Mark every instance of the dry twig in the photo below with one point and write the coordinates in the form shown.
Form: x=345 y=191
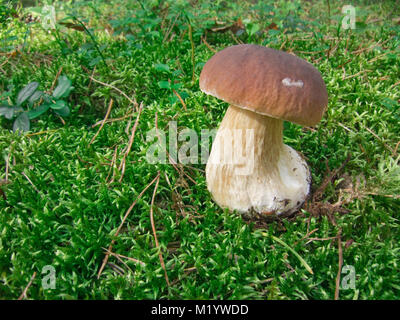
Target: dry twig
x=23 y=295
x=339 y=237
x=122 y=223
x=128 y=149
x=154 y=230
x=133 y=101
x=103 y=122
x=208 y=45
x=180 y=98
x=125 y=257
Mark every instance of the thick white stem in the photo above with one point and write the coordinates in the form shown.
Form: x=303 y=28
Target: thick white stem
x=250 y=169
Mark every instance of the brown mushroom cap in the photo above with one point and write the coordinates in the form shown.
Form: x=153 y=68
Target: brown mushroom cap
x=267 y=81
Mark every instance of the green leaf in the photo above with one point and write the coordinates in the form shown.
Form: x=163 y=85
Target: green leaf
x=199 y=65
x=26 y=92
x=176 y=86
x=164 y=84
x=303 y=262
x=7 y=111
x=47 y=98
x=32 y=114
x=94 y=61
x=273 y=32
x=63 y=88
x=35 y=97
x=64 y=112
x=360 y=25
x=59 y=104
x=161 y=67
x=389 y=104
x=253 y=28
x=22 y=122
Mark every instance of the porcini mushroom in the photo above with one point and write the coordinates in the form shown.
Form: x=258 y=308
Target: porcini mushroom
x=264 y=87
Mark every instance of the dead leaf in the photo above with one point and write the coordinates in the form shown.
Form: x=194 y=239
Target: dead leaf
x=72 y=26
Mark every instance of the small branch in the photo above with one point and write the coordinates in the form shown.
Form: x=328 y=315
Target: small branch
x=125 y=257
x=170 y=28
x=55 y=80
x=8 y=164
x=328 y=179
x=395 y=84
x=91 y=77
x=356 y=74
x=306 y=236
x=320 y=239
x=234 y=38
x=180 y=98
x=154 y=230
x=393 y=196
x=27 y=178
x=104 y=121
x=339 y=237
x=303 y=262
x=112 y=165
x=128 y=149
x=112 y=120
x=380 y=139
x=122 y=223
x=208 y=45
x=40 y=132
x=23 y=295
x=172 y=161
x=192 y=52
x=118 y=90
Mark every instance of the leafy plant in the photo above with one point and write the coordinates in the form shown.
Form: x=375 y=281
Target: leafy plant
x=30 y=96
x=6 y=12
x=172 y=84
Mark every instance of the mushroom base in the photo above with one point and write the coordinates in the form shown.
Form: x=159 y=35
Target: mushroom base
x=250 y=170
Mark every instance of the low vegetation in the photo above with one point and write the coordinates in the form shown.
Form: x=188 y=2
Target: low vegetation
x=76 y=189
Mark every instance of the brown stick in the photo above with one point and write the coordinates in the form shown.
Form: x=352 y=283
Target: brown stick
x=125 y=257
x=172 y=161
x=356 y=74
x=339 y=237
x=128 y=149
x=8 y=164
x=380 y=139
x=112 y=165
x=180 y=98
x=170 y=28
x=55 y=79
x=29 y=180
x=112 y=120
x=208 y=45
x=116 y=89
x=23 y=295
x=154 y=230
x=307 y=235
x=395 y=85
x=329 y=178
x=192 y=52
x=104 y=121
x=122 y=223
x=320 y=239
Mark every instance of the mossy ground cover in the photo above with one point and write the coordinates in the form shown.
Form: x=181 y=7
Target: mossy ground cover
x=63 y=194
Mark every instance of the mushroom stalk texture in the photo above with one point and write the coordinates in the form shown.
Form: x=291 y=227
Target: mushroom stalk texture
x=250 y=169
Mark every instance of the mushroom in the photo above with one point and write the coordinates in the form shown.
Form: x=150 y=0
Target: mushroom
x=250 y=169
